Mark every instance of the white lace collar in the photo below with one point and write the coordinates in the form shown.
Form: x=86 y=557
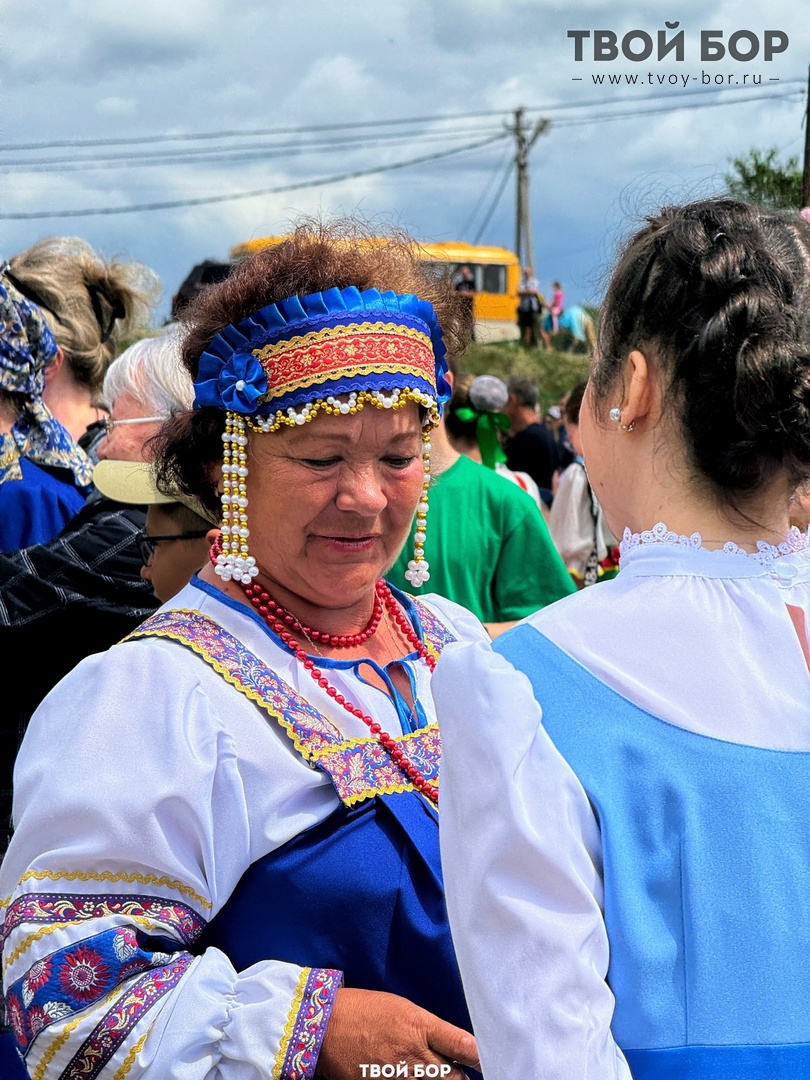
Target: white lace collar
x=795 y=541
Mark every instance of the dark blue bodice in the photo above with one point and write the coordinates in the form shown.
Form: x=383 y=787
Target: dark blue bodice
x=361 y=891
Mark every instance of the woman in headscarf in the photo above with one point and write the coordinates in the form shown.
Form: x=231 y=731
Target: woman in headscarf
x=93 y=307
x=44 y=475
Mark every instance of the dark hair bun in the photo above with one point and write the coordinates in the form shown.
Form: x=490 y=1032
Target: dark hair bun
x=719 y=292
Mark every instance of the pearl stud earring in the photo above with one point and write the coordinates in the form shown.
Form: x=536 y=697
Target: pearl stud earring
x=615 y=414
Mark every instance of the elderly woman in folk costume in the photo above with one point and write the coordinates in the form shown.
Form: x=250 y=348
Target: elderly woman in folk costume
x=226 y=856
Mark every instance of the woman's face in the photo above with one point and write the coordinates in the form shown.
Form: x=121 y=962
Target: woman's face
x=331 y=502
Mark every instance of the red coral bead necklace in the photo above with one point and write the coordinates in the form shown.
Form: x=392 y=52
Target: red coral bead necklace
x=283 y=623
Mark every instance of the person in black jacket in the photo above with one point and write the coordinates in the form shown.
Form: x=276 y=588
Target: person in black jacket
x=83 y=591
x=530 y=447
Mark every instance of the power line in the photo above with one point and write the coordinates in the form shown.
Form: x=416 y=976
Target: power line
x=592 y=103
x=236 y=153
x=572 y=121
x=504 y=180
x=579 y=121
x=495 y=172
x=551 y=107
x=234 y=133
x=321 y=182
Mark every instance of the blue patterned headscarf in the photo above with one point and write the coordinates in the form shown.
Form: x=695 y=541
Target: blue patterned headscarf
x=27 y=346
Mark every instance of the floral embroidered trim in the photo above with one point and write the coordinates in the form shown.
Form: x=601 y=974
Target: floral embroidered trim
x=78 y=976
x=358 y=768
x=308 y=729
x=108 y=875
x=56 y=1046
x=67 y=909
x=765 y=554
x=303 y=1035
x=128 y=1010
x=129 y=1060
x=292 y=1016
x=346 y=351
x=43 y=932
x=361 y=768
x=436 y=634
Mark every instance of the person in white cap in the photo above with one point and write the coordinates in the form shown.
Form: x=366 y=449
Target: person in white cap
x=179 y=531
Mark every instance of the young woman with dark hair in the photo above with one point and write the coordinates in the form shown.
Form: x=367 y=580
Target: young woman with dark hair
x=628 y=872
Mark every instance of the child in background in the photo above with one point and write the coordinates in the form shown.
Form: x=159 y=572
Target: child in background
x=556 y=306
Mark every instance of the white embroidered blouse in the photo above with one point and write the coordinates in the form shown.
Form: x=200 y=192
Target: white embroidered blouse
x=144 y=789
x=713 y=641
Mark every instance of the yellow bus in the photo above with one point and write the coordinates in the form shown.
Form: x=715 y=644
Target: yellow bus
x=496 y=275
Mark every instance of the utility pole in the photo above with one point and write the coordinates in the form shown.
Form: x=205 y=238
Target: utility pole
x=806 y=174
x=524 y=141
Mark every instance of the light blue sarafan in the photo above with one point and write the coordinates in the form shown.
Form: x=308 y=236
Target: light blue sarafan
x=706 y=848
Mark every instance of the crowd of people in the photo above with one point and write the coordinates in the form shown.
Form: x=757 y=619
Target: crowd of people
x=538 y=319
x=283 y=562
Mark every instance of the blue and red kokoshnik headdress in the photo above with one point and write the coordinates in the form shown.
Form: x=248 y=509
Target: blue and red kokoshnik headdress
x=336 y=352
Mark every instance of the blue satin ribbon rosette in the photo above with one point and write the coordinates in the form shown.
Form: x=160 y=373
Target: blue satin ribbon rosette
x=231 y=377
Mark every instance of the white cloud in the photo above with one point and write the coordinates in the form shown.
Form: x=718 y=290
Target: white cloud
x=88 y=70
x=116 y=106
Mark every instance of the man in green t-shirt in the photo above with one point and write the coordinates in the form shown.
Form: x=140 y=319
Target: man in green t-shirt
x=487 y=544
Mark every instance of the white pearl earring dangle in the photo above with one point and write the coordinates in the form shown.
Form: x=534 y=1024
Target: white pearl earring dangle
x=235 y=561
x=418 y=571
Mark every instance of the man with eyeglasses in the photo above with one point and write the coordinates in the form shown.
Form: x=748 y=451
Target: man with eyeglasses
x=179 y=531
x=83 y=591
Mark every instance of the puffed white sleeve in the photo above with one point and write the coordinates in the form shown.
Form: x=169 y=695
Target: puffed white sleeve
x=521 y=856
x=132 y=829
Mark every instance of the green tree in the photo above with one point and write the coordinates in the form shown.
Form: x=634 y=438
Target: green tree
x=758 y=177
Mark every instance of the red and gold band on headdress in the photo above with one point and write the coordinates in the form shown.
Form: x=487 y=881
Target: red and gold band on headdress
x=334 y=352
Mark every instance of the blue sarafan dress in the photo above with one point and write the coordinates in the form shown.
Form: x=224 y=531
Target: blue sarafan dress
x=254 y=849
x=626 y=822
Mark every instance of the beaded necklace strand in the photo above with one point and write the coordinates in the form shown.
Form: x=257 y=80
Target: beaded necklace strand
x=283 y=623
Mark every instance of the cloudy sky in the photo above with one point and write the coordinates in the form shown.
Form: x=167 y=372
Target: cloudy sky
x=382 y=82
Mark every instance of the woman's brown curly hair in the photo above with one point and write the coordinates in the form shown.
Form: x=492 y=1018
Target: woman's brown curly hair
x=315 y=257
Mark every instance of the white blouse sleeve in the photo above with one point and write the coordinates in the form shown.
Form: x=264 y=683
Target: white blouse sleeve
x=461 y=622
x=571 y=521
x=521 y=855
x=132 y=830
